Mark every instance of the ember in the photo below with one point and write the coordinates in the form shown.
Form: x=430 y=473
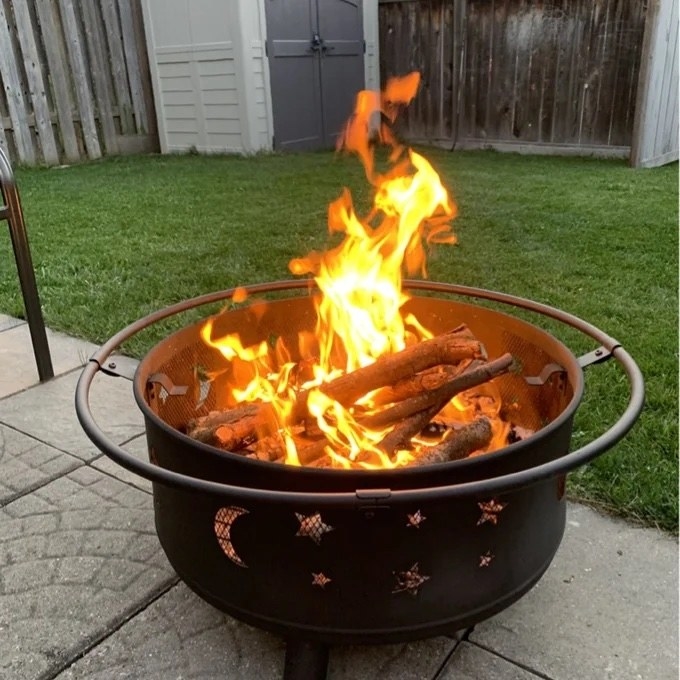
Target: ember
x=371 y=387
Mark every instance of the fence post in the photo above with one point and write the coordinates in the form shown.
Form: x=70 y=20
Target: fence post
x=12 y=212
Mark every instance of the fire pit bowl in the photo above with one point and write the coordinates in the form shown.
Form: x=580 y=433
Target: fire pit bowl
x=325 y=556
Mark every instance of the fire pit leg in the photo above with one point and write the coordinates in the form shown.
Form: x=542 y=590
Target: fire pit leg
x=305 y=660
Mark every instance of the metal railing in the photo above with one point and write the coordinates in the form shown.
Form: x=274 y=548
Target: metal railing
x=10 y=210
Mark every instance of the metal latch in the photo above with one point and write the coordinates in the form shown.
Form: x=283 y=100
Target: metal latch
x=373 y=501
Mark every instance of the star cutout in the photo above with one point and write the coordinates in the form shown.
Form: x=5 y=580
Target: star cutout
x=490 y=511
x=485 y=559
x=312 y=526
x=410 y=581
x=416 y=519
x=320 y=579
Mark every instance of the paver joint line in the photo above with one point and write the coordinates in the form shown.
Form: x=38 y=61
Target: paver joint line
x=85 y=649
x=449 y=656
x=524 y=667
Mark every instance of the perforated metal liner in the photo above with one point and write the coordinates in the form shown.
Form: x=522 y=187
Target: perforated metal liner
x=186 y=360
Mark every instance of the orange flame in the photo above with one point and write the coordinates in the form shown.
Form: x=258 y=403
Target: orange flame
x=359 y=311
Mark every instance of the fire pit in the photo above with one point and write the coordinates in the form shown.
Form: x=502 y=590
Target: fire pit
x=368 y=459
x=327 y=557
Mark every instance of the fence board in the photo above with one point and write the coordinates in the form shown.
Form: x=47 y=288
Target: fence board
x=655 y=139
x=36 y=84
x=459 y=18
x=559 y=72
x=74 y=80
x=16 y=104
x=81 y=79
x=144 y=71
x=131 y=57
x=56 y=61
x=103 y=91
x=120 y=81
x=3 y=139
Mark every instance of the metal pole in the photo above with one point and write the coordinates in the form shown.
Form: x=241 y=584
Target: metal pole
x=12 y=212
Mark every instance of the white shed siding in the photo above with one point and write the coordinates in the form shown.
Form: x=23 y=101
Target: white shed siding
x=206 y=64
x=256 y=74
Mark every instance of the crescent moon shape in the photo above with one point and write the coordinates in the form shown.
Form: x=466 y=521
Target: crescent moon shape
x=224 y=520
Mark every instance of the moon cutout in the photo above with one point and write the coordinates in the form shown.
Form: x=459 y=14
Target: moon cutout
x=224 y=519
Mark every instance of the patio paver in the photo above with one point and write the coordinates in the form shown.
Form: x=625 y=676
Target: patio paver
x=9 y=322
x=180 y=636
x=77 y=557
x=606 y=608
x=138 y=448
x=27 y=463
x=47 y=412
x=470 y=662
x=18 y=362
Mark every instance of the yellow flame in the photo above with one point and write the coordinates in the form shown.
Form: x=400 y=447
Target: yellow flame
x=359 y=311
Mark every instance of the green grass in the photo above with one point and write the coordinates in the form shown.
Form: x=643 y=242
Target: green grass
x=116 y=239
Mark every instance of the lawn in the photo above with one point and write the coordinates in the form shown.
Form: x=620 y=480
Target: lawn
x=116 y=239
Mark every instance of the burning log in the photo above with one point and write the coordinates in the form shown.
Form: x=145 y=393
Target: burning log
x=415 y=417
x=229 y=436
x=426 y=377
x=203 y=429
x=447 y=348
x=233 y=432
x=402 y=433
x=458 y=444
x=430 y=379
x=476 y=374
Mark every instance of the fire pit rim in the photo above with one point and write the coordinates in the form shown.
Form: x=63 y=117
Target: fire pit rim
x=522 y=478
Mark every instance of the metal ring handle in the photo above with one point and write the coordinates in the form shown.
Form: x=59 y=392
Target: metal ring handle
x=481 y=488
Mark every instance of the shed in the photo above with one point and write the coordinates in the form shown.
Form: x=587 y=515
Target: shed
x=240 y=76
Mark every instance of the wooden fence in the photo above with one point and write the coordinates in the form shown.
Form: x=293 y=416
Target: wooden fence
x=502 y=72
x=75 y=80
x=655 y=135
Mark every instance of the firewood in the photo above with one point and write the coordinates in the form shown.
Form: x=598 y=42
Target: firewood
x=458 y=444
x=203 y=427
x=412 y=414
x=447 y=348
x=234 y=435
x=430 y=379
x=311 y=452
x=476 y=374
x=402 y=433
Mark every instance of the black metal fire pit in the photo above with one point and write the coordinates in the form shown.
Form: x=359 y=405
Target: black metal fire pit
x=327 y=557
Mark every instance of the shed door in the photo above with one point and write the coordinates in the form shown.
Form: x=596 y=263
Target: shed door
x=316 y=65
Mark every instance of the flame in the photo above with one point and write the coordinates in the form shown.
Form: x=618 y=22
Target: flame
x=359 y=309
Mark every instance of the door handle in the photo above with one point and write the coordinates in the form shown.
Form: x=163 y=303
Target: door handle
x=316 y=43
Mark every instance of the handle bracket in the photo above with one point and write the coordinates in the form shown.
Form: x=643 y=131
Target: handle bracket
x=597 y=356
